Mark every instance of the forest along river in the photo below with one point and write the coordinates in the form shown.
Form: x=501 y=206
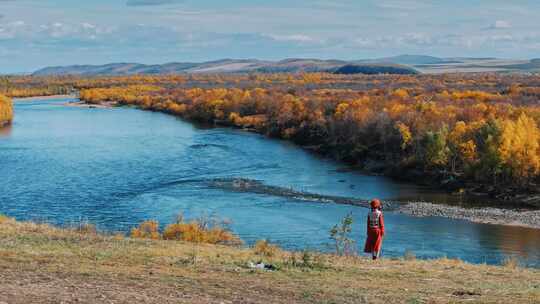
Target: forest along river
x=118 y=167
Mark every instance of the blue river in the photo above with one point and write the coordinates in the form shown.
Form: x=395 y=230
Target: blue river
x=117 y=167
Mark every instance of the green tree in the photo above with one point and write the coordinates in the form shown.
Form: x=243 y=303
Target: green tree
x=436 y=151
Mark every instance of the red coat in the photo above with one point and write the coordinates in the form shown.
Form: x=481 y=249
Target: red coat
x=375 y=231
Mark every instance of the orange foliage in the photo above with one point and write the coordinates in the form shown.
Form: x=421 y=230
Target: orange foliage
x=470 y=125
x=146 y=230
x=195 y=233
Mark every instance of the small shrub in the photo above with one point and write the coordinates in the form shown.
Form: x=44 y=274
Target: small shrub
x=511 y=262
x=85 y=228
x=344 y=244
x=264 y=248
x=200 y=231
x=146 y=230
x=306 y=260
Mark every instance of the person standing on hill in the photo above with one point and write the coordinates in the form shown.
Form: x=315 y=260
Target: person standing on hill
x=375 y=229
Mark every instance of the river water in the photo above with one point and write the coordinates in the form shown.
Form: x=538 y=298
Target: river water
x=118 y=167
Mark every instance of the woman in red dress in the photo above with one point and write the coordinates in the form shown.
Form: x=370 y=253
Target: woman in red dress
x=375 y=229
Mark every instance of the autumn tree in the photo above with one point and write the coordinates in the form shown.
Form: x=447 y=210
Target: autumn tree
x=519 y=148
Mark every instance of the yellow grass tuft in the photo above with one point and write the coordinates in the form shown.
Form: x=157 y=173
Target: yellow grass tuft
x=195 y=233
x=200 y=231
x=511 y=262
x=264 y=248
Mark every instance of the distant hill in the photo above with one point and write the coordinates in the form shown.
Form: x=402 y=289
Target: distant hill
x=413 y=60
x=219 y=66
x=532 y=65
x=375 y=69
x=402 y=64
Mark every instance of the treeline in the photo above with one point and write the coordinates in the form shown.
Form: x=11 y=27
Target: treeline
x=484 y=135
x=6 y=110
x=28 y=86
x=480 y=128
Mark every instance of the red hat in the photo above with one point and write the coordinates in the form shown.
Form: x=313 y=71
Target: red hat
x=375 y=203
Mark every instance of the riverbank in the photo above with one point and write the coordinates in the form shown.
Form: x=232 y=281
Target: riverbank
x=485 y=215
x=6 y=111
x=47 y=97
x=82 y=104
x=44 y=264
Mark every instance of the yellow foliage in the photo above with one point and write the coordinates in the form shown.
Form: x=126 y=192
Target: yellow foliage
x=351 y=115
x=264 y=248
x=195 y=233
x=341 y=109
x=405 y=133
x=519 y=148
x=476 y=95
x=468 y=150
x=146 y=230
x=6 y=110
x=401 y=93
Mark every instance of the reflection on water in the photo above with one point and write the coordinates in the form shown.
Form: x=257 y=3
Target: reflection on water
x=5 y=131
x=511 y=241
x=118 y=167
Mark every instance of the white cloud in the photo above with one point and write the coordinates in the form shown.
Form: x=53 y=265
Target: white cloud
x=502 y=24
x=86 y=25
x=427 y=42
x=401 y=4
x=11 y=30
x=499 y=24
x=150 y=2
x=291 y=38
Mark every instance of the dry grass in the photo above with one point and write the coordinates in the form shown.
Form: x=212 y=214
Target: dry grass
x=197 y=231
x=511 y=262
x=266 y=249
x=44 y=264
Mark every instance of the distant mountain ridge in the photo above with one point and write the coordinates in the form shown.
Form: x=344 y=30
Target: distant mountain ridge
x=375 y=69
x=222 y=66
x=402 y=64
x=415 y=60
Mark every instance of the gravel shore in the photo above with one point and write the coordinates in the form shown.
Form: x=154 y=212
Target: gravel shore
x=45 y=97
x=487 y=215
x=82 y=104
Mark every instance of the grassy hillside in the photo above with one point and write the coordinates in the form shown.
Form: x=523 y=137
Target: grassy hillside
x=44 y=264
x=6 y=110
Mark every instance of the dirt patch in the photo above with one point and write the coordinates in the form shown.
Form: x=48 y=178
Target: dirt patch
x=22 y=286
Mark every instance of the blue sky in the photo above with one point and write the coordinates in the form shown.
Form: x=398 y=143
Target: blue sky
x=38 y=33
